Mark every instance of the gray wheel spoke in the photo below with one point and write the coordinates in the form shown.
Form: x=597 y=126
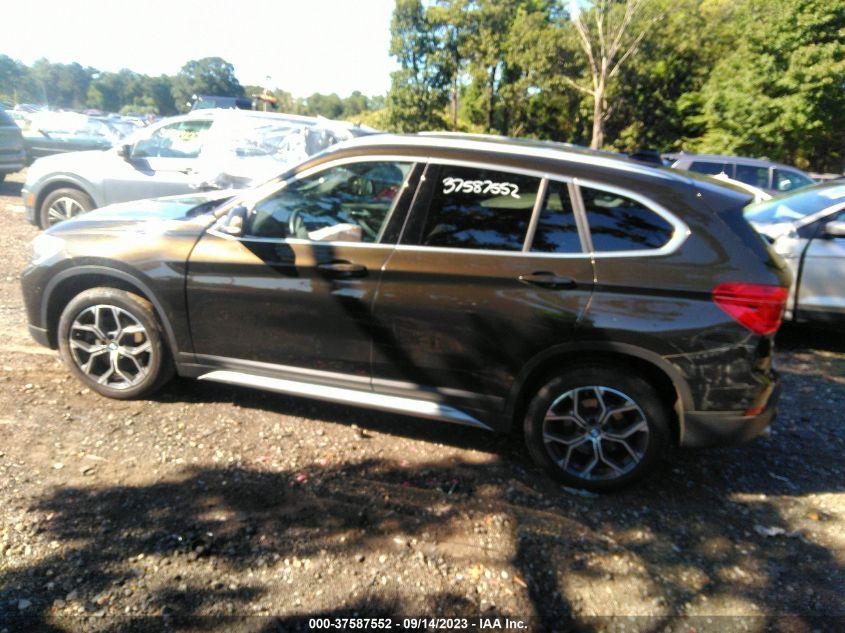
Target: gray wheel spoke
x=640 y=425
x=90 y=362
x=131 y=352
x=613 y=451
x=553 y=437
x=605 y=460
x=623 y=409
x=86 y=347
x=90 y=340
x=63 y=209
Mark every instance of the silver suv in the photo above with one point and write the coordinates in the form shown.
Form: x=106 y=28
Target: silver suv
x=763 y=174
x=204 y=149
x=12 y=153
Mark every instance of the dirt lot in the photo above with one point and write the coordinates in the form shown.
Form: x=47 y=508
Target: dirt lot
x=210 y=506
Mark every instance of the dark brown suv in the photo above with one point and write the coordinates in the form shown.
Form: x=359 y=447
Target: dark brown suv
x=605 y=308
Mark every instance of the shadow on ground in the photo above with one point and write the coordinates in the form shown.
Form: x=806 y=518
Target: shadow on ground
x=240 y=519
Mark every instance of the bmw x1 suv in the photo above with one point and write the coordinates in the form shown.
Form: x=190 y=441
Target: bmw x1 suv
x=603 y=308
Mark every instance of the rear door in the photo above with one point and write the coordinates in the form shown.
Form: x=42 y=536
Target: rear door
x=480 y=283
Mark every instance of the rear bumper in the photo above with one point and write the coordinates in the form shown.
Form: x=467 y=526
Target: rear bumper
x=727 y=428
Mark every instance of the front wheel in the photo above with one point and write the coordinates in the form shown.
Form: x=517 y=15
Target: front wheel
x=597 y=428
x=112 y=341
x=63 y=204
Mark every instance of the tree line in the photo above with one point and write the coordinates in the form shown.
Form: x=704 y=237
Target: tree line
x=76 y=87
x=749 y=77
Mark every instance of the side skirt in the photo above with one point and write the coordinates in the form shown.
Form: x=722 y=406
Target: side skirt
x=367 y=399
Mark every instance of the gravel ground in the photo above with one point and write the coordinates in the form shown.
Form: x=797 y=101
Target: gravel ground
x=210 y=505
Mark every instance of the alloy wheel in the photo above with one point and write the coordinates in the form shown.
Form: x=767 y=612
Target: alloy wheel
x=595 y=433
x=110 y=346
x=62 y=209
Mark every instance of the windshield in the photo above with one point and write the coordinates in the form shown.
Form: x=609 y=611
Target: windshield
x=796 y=206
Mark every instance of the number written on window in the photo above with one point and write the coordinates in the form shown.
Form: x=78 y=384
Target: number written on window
x=481 y=187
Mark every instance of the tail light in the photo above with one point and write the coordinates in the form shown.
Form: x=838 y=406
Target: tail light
x=756 y=306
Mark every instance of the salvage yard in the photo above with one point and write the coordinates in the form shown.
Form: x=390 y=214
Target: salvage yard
x=222 y=502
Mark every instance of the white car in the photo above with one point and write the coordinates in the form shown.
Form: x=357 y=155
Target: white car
x=202 y=150
x=807 y=228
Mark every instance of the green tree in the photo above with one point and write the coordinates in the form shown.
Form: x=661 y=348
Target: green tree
x=419 y=89
x=206 y=76
x=779 y=91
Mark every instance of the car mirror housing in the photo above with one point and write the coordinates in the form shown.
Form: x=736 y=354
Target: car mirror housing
x=235 y=220
x=124 y=151
x=834 y=229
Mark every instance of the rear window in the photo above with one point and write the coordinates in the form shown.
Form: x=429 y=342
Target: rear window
x=710 y=168
x=475 y=208
x=620 y=223
x=753 y=175
x=5 y=119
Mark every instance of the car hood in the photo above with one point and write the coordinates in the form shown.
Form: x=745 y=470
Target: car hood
x=191 y=213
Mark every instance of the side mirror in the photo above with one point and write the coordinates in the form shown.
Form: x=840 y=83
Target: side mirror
x=834 y=229
x=124 y=151
x=235 y=220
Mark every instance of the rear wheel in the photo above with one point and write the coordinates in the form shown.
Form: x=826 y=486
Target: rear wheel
x=112 y=341
x=597 y=428
x=63 y=204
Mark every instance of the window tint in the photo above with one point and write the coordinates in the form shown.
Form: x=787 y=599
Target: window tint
x=618 y=223
x=787 y=180
x=556 y=229
x=710 y=168
x=177 y=140
x=753 y=175
x=476 y=208
x=348 y=203
x=5 y=119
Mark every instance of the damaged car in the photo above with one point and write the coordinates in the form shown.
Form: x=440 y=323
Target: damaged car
x=807 y=229
x=203 y=150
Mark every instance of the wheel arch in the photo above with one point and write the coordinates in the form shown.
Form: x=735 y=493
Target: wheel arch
x=62 y=182
x=660 y=373
x=67 y=284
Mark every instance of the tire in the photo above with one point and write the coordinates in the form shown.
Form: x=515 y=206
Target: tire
x=63 y=204
x=578 y=450
x=100 y=332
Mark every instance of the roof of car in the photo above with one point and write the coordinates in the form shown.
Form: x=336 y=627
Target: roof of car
x=507 y=145
x=763 y=162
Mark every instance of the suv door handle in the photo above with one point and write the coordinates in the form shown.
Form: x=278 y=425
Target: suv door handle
x=546 y=279
x=342 y=269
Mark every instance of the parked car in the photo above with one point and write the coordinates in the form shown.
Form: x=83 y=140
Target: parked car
x=807 y=228
x=51 y=133
x=763 y=174
x=12 y=153
x=201 y=150
x=607 y=308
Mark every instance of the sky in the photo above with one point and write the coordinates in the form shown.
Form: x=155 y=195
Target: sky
x=305 y=46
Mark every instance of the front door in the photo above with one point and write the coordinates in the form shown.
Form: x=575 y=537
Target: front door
x=294 y=293
x=161 y=164
x=820 y=293
x=485 y=278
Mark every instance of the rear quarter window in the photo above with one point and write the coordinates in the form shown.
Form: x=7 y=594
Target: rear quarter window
x=621 y=223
